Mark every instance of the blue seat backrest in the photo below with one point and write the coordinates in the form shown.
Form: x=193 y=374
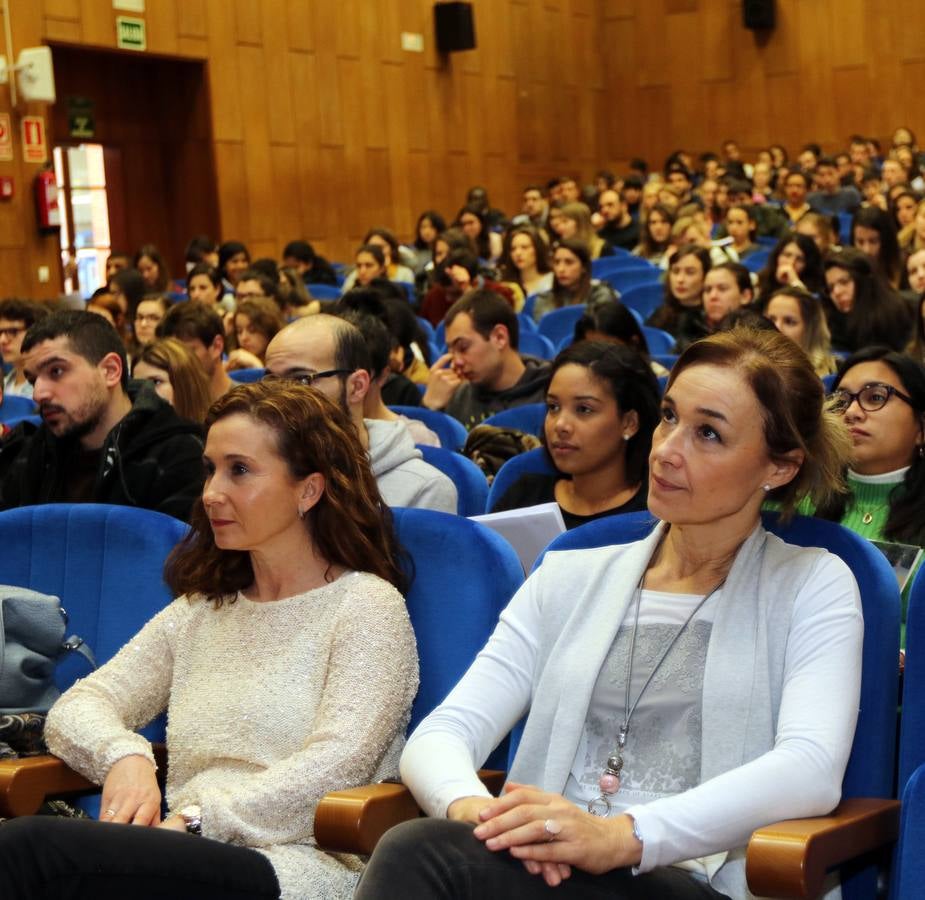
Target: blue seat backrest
x=909 y=864
x=529 y=417
x=464 y=575
x=912 y=723
x=14 y=408
x=660 y=342
x=105 y=563
x=452 y=432
x=623 y=280
x=872 y=763
x=621 y=262
x=324 y=291
x=757 y=260
x=645 y=298
x=534 y=344
x=558 y=323
x=427 y=328
x=526 y=321
x=246 y=376
x=533 y=462
x=471 y=483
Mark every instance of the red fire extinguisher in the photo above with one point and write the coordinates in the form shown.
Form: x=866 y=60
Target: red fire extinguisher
x=47 y=212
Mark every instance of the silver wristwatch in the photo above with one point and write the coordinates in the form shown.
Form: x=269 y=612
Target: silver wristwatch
x=192 y=816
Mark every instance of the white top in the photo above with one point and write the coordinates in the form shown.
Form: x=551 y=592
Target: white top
x=16 y=390
x=271 y=705
x=814 y=724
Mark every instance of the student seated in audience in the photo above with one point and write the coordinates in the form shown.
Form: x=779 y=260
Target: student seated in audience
x=200 y=327
x=379 y=345
x=742 y=227
x=601 y=409
x=915 y=268
x=312 y=268
x=201 y=249
x=902 y=208
x=293 y=297
x=257 y=664
x=617 y=226
x=572 y=281
x=370 y=264
x=873 y=233
x=482 y=373
x=830 y=198
x=614 y=323
x=576 y=226
x=102 y=303
x=429 y=226
x=128 y=288
x=478 y=197
x=726 y=288
x=795 y=261
x=525 y=261
x=822 y=229
x=880 y=394
x=257 y=320
x=617 y=778
x=16 y=318
x=457 y=274
x=391 y=261
x=798 y=315
x=204 y=285
x=483 y=242
x=534 y=209
x=149 y=261
x=149 y=314
x=912 y=236
x=330 y=354
x=116 y=262
x=683 y=287
x=655 y=234
x=103 y=439
x=796 y=188
x=861 y=307
x=234 y=260
x=177 y=376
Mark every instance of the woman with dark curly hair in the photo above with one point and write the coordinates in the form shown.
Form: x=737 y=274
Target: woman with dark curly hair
x=257 y=664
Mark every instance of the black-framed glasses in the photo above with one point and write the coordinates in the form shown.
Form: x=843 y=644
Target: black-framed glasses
x=307 y=379
x=12 y=332
x=870 y=398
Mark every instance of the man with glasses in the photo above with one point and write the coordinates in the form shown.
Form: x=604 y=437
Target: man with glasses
x=16 y=318
x=330 y=354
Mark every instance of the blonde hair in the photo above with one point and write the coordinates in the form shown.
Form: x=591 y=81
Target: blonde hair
x=581 y=216
x=792 y=399
x=191 y=397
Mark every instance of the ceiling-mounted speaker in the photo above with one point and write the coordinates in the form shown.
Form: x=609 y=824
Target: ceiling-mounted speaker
x=758 y=14
x=454 y=24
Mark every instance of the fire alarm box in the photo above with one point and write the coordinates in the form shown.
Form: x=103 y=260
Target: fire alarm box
x=47 y=212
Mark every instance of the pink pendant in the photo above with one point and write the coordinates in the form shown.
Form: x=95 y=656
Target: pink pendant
x=609 y=784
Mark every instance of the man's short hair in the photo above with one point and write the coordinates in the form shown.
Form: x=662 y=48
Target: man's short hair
x=350 y=350
x=88 y=335
x=377 y=338
x=464 y=258
x=28 y=312
x=192 y=322
x=300 y=250
x=200 y=247
x=486 y=309
x=828 y=161
x=632 y=181
x=268 y=286
x=534 y=187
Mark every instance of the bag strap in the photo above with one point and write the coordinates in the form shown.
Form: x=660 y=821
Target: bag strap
x=75 y=644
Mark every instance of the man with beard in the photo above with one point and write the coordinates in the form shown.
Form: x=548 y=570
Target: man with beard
x=103 y=439
x=331 y=355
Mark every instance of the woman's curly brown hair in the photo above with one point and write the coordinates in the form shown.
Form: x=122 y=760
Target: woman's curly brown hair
x=350 y=525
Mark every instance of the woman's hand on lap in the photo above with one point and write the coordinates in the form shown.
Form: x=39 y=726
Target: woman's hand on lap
x=131 y=793
x=516 y=822
x=175 y=822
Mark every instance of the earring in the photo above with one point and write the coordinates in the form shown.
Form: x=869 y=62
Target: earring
x=626 y=436
x=301 y=513
x=766 y=487
x=922 y=451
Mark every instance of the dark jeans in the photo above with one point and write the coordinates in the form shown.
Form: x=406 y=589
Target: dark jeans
x=44 y=857
x=436 y=858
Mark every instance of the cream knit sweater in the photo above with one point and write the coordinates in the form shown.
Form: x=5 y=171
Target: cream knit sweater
x=270 y=706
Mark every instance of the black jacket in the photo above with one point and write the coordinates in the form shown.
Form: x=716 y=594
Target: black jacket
x=472 y=403
x=152 y=458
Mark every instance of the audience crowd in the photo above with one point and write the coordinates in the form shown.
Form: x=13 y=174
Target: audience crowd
x=578 y=304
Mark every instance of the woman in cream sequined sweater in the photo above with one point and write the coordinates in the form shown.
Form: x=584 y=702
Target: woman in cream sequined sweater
x=287 y=668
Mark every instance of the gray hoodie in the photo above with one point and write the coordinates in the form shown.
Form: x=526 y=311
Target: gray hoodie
x=403 y=477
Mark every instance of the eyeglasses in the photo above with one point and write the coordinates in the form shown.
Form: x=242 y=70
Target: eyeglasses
x=10 y=332
x=249 y=295
x=307 y=379
x=870 y=398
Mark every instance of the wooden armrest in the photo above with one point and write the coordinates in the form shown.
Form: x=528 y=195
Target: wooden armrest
x=26 y=783
x=352 y=821
x=790 y=859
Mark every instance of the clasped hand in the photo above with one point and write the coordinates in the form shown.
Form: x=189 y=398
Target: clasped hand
x=516 y=822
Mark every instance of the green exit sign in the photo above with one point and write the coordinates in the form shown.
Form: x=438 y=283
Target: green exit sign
x=130 y=33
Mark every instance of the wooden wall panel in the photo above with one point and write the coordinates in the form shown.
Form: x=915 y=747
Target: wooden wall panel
x=315 y=123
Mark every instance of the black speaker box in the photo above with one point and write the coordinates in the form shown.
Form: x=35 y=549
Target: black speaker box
x=758 y=14
x=455 y=27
